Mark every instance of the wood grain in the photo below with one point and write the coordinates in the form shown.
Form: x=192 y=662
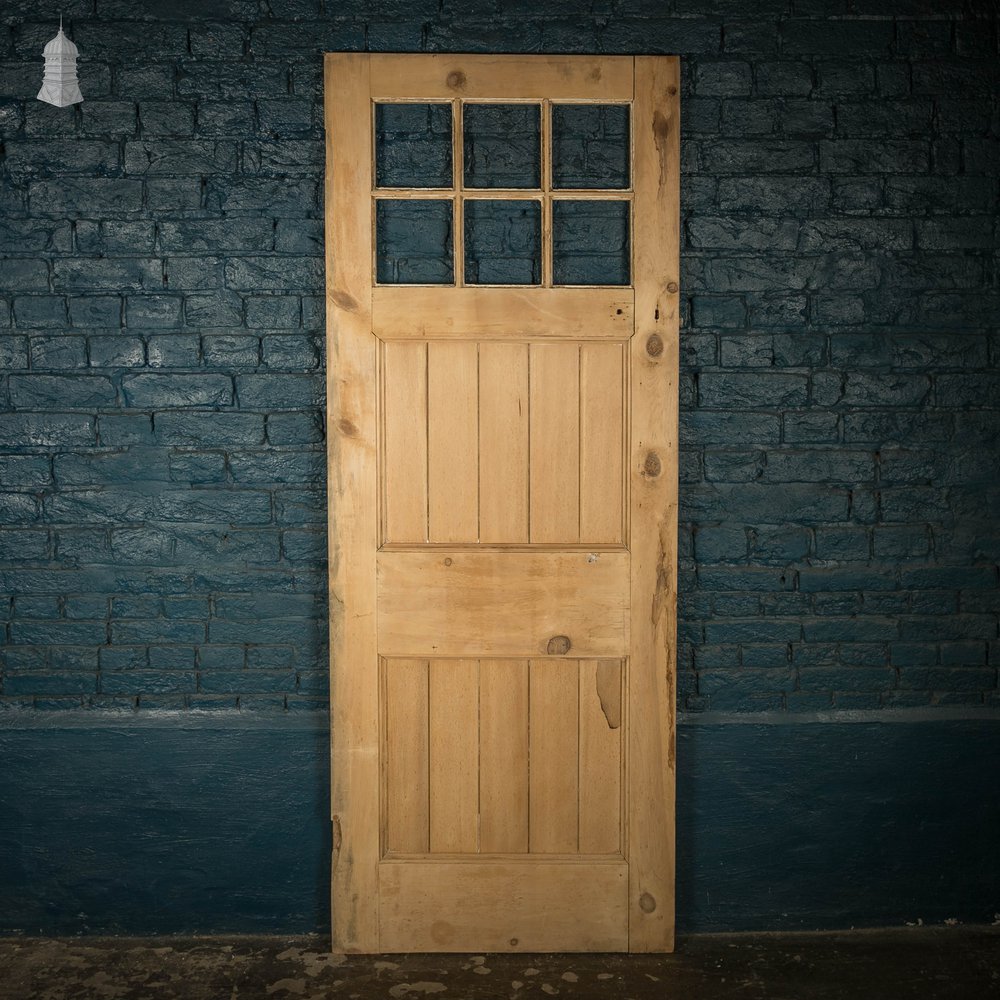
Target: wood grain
x=503 y=442
x=493 y=603
x=554 y=754
x=430 y=77
x=653 y=520
x=602 y=442
x=403 y=311
x=503 y=756
x=453 y=441
x=454 y=756
x=407 y=793
x=601 y=727
x=353 y=525
x=555 y=442
x=509 y=905
x=404 y=443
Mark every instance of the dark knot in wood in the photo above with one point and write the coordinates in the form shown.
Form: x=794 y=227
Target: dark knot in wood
x=558 y=645
x=652 y=467
x=654 y=345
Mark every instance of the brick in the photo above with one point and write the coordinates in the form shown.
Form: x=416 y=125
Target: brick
x=153 y=311
x=90 y=274
x=115 y=236
x=87 y=196
x=888 y=156
x=177 y=156
x=279 y=392
x=278 y=273
x=846 y=678
x=231 y=351
x=173 y=351
x=800 y=36
x=739 y=156
x=40 y=312
x=729 y=427
x=34 y=235
x=57 y=353
x=216 y=309
x=50 y=391
x=209 y=428
x=780 y=79
x=159 y=391
x=734 y=467
x=116 y=352
x=733 y=232
x=779 y=546
x=169 y=119
x=745 y=390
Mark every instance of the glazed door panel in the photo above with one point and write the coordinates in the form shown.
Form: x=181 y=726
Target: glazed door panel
x=503 y=318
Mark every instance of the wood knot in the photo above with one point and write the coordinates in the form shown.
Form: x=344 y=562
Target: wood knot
x=447 y=561
x=347 y=428
x=646 y=903
x=673 y=287
x=455 y=79
x=654 y=345
x=558 y=645
x=672 y=91
x=652 y=467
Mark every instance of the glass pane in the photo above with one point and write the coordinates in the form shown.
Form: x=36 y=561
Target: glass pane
x=413 y=145
x=590 y=146
x=501 y=145
x=503 y=242
x=413 y=242
x=590 y=242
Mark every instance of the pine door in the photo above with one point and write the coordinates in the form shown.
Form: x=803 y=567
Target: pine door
x=502 y=299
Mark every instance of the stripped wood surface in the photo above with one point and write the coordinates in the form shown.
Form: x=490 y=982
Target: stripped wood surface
x=492 y=442
x=503 y=484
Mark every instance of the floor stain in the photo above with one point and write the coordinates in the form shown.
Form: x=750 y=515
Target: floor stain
x=919 y=963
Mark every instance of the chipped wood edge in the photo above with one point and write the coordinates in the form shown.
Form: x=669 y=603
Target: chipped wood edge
x=351 y=436
x=653 y=532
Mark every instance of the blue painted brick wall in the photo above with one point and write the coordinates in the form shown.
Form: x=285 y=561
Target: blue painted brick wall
x=162 y=484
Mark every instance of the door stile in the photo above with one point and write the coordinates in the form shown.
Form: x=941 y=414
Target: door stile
x=353 y=527
x=653 y=488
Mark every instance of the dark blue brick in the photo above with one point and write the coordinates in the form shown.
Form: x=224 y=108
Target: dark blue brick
x=180 y=391
x=115 y=237
x=173 y=351
x=769 y=390
x=218 y=309
x=95 y=311
x=295 y=428
x=51 y=391
x=117 y=351
x=58 y=352
x=222 y=351
x=209 y=429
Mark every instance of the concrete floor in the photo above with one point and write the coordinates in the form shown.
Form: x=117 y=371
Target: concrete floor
x=922 y=963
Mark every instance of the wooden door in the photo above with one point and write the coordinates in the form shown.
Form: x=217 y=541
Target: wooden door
x=502 y=268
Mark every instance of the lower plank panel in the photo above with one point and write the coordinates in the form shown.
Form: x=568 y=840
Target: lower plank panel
x=508 y=905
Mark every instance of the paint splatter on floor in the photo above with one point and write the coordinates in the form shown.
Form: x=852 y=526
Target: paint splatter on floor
x=921 y=963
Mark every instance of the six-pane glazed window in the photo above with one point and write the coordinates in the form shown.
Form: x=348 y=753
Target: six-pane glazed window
x=502 y=193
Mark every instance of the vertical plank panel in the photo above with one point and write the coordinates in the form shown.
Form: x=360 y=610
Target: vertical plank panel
x=555 y=442
x=503 y=442
x=503 y=756
x=406 y=756
x=602 y=440
x=404 y=448
x=353 y=525
x=454 y=755
x=653 y=506
x=553 y=756
x=600 y=756
x=453 y=441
